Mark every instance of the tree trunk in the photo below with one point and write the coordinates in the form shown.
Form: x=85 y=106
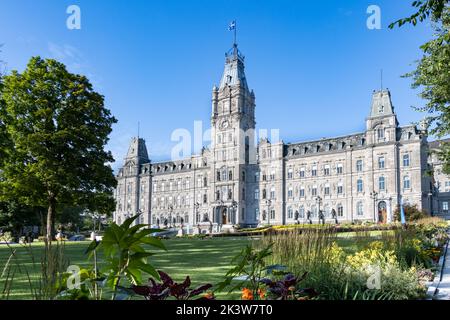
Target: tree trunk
x=50 y=216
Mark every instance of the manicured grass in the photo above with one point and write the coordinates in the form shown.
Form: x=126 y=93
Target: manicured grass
x=204 y=260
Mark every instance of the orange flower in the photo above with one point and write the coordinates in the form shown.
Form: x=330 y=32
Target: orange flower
x=262 y=294
x=209 y=296
x=247 y=294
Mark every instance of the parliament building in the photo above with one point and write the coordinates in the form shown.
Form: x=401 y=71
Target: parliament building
x=358 y=177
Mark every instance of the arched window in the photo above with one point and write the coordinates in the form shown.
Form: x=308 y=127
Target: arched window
x=360 y=208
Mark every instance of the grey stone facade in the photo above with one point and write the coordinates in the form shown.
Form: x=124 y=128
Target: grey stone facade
x=362 y=176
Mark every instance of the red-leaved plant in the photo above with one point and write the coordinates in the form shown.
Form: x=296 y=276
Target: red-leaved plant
x=169 y=288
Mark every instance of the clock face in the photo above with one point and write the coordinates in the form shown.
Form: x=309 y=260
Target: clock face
x=225 y=124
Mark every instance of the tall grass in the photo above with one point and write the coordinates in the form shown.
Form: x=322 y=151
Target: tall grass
x=50 y=268
x=317 y=253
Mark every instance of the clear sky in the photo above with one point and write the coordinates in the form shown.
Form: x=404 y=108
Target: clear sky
x=312 y=64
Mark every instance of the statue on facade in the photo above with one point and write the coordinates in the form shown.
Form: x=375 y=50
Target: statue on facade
x=321 y=217
x=334 y=216
x=308 y=216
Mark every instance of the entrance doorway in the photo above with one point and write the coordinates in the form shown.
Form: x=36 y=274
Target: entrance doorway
x=224 y=216
x=382 y=212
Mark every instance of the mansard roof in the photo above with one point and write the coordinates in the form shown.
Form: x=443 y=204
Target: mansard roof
x=381 y=104
x=137 y=152
x=233 y=74
x=324 y=145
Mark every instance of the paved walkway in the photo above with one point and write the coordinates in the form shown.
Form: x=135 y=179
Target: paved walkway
x=443 y=287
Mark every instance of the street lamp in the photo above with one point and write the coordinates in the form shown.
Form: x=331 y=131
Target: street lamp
x=319 y=201
x=269 y=203
x=374 y=196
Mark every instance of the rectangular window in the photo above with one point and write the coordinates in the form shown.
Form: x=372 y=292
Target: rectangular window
x=290 y=174
x=272 y=214
x=406 y=183
x=272 y=194
x=302 y=172
x=327 y=190
x=447 y=186
x=314 y=171
x=256 y=194
x=340 y=169
x=340 y=189
x=406 y=160
x=302 y=193
x=326 y=171
x=382 y=183
x=359 y=186
x=290 y=193
x=314 y=191
x=445 y=206
x=381 y=163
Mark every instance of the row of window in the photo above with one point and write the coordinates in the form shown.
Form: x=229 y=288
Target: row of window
x=327 y=189
x=339 y=169
x=179 y=185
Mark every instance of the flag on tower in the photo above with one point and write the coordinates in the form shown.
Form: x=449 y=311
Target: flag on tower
x=232 y=25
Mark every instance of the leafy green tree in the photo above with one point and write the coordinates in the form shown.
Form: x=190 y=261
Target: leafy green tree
x=57 y=127
x=432 y=75
x=433 y=9
x=14 y=216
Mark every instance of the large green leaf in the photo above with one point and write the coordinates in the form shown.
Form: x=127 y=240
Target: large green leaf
x=154 y=242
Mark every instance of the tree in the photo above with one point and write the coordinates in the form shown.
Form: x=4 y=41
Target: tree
x=425 y=10
x=432 y=74
x=57 y=127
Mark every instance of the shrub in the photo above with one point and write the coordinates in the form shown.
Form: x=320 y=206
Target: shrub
x=6 y=237
x=412 y=213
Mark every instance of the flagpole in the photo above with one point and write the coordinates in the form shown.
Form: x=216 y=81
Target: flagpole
x=235 y=27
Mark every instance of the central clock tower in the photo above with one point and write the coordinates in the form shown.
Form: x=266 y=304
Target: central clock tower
x=233 y=143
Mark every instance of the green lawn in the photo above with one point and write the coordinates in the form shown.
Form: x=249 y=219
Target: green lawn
x=204 y=260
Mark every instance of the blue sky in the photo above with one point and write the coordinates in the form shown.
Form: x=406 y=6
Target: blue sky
x=312 y=64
